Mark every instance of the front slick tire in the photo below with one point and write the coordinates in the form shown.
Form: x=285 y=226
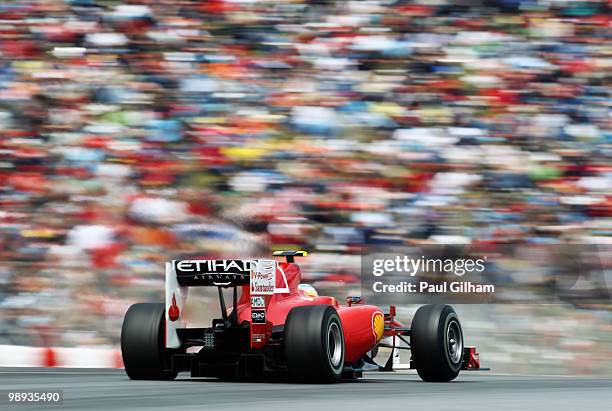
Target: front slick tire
x=436 y=343
x=314 y=344
x=142 y=343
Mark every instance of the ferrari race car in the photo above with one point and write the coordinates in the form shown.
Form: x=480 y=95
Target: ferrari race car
x=275 y=326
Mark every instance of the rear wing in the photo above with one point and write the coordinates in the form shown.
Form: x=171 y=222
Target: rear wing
x=259 y=274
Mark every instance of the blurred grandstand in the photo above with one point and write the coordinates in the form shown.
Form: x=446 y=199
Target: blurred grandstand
x=133 y=133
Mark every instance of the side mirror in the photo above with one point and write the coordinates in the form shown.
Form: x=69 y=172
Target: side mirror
x=354 y=300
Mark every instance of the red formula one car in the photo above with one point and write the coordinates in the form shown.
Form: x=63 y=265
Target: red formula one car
x=278 y=326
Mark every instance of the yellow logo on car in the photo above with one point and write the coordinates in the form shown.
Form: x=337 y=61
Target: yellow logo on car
x=378 y=325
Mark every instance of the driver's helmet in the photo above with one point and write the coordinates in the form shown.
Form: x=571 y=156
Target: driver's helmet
x=307 y=290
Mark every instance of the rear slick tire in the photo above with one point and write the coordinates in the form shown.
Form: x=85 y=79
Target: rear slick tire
x=142 y=343
x=314 y=344
x=436 y=343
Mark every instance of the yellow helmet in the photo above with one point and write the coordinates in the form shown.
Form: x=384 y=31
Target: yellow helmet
x=308 y=290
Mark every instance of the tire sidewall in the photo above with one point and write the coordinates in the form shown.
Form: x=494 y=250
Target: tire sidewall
x=446 y=317
x=331 y=317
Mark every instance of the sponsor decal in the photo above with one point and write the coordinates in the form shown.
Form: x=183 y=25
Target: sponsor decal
x=214 y=266
x=263 y=277
x=258 y=337
x=378 y=325
x=258 y=316
x=258 y=302
x=213 y=272
x=173 y=311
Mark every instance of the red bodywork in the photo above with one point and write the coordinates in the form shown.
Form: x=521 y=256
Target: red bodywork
x=471 y=359
x=363 y=325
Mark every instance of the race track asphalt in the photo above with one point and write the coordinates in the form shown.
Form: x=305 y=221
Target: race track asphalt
x=87 y=389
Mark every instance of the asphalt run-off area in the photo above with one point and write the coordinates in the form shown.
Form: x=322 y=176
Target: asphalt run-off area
x=105 y=389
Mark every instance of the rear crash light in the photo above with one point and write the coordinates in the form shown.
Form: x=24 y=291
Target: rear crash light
x=209 y=340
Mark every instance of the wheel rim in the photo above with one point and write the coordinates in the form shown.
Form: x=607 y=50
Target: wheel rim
x=334 y=344
x=454 y=341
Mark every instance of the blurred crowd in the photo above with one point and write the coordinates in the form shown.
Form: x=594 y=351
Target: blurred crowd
x=135 y=132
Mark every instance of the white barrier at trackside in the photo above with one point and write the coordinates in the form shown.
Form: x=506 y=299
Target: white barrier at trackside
x=79 y=357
